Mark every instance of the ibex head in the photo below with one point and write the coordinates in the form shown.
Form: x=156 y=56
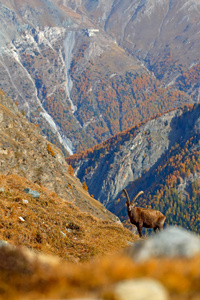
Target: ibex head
x=131 y=204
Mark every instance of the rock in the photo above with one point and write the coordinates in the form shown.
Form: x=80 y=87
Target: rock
x=4 y=244
x=24 y=201
x=171 y=242
x=140 y=289
x=34 y=194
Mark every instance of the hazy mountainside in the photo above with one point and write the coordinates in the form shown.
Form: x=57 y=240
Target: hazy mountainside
x=74 y=80
x=164 y=34
x=160 y=156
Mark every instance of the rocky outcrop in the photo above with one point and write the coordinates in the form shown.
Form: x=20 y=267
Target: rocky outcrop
x=141 y=289
x=115 y=170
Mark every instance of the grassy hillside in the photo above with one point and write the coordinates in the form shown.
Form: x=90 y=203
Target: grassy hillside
x=53 y=225
x=65 y=220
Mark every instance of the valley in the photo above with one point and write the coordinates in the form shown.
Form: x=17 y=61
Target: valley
x=97 y=97
x=81 y=89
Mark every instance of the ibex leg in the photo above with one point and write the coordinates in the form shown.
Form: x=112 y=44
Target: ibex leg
x=139 y=227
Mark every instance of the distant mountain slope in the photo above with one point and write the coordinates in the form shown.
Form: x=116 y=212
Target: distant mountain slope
x=71 y=78
x=164 y=34
x=160 y=156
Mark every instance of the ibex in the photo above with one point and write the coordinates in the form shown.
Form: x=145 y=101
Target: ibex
x=144 y=217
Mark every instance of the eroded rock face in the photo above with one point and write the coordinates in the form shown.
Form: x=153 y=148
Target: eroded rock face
x=118 y=168
x=136 y=155
x=171 y=242
x=36 y=69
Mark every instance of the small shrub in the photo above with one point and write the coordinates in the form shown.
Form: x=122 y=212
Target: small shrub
x=70 y=170
x=50 y=150
x=85 y=186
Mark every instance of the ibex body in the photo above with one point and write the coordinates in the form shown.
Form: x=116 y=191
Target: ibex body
x=143 y=217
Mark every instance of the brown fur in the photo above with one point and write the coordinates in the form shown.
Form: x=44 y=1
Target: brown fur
x=143 y=217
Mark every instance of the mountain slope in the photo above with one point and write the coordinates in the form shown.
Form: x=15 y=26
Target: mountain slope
x=55 y=226
x=161 y=157
x=63 y=218
x=164 y=34
x=26 y=153
x=71 y=78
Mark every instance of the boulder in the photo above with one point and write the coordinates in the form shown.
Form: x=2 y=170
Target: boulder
x=34 y=194
x=140 y=289
x=4 y=244
x=171 y=242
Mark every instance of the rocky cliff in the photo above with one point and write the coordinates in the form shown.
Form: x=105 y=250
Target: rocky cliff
x=130 y=158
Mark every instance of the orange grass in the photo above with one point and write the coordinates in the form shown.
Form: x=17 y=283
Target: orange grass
x=95 y=245
x=53 y=225
x=38 y=280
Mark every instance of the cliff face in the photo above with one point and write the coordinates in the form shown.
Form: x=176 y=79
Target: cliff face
x=116 y=169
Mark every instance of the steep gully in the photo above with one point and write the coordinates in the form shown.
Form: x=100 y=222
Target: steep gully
x=68 y=46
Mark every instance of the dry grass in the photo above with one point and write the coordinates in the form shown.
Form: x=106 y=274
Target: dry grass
x=22 y=278
x=89 y=251
x=53 y=225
